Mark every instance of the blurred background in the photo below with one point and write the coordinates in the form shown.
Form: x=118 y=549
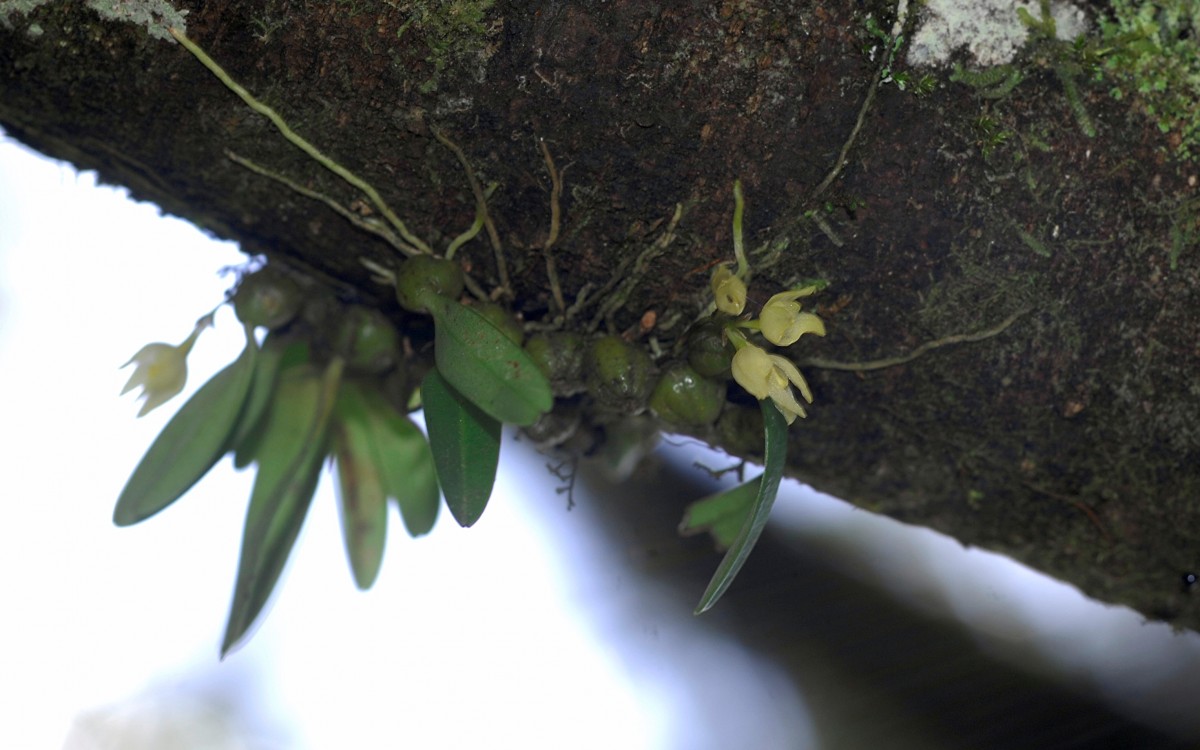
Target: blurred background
x=540 y=627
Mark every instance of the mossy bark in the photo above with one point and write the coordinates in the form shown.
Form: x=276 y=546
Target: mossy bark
x=1071 y=441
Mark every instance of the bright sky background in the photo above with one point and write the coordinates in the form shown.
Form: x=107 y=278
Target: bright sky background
x=470 y=638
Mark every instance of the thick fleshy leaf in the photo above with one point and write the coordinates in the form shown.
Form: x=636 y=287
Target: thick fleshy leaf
x=466 y=448
x=276 y=356
x=289 y=463
x=191 y=443
x=405 y=463
x=722 y=515
x=775 y=456
x=485 y=365
x=362 y=499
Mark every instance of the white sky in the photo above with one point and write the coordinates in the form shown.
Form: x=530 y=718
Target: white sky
x=471 y=638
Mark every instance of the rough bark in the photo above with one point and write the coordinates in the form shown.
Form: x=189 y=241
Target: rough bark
x=1069 y=441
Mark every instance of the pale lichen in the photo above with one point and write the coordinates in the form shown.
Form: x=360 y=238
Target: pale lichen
x=989 y=29
x=157 y=16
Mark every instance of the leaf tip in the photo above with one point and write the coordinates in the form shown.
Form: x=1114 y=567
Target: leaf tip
x=714 y=593
x=237 y=634
x=465 y=519
x=126 y=514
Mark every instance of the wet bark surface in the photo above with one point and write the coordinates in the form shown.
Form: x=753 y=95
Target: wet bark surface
x=1069 y=440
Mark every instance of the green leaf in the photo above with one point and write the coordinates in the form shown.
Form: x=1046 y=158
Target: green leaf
x=289 y=464
x=485 y=365
x=406 y=463
x=276 y=355
x=723 y=515
x=362 y=500
x=774 y=459
x=191 y=443
x=466 y=448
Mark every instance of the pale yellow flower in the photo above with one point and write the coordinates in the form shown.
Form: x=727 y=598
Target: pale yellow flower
x=161 y=370
x=729 y=290
x=771 y=376
x=781 y=321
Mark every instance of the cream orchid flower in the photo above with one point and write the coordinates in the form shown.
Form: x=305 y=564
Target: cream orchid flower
x=729 y=290
x=781 y=321
x=161 y=370
x=771 y=376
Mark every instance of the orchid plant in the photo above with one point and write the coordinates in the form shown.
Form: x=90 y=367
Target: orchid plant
x=324 y=385
x=737 y=517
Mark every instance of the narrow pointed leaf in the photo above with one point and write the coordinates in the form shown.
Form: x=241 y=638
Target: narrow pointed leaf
x=289 y=464
x=486 y=366
x=722 y=515
x=362 y=500
x=276 y=356
x=774 y=459
x=266 y=367
x=466 y=448
x=405 y=463
x=191 y=443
